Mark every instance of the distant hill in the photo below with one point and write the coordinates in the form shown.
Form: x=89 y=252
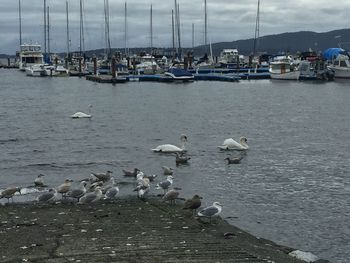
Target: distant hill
x=286 y=42
x=271 y=44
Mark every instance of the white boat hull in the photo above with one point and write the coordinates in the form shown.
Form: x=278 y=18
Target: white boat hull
x=293 y=75
x=340 y=72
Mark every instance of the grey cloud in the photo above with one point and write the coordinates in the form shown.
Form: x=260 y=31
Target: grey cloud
x=228 y=20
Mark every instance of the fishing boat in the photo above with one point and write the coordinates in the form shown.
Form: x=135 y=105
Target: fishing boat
x=314 y=67
x=341 y=67
x=284 y=68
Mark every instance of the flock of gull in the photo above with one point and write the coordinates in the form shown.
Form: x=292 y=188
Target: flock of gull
x=103 y=186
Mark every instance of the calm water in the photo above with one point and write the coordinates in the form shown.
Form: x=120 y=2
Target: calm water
x=292 y=187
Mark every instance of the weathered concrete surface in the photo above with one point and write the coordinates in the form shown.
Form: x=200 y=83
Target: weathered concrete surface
x=127 y=230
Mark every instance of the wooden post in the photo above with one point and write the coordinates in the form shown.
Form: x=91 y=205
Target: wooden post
x=80 y=65
x=94 y=59
x=56 y=61
x=8 y=62
x=113 y=67
x=185 y=63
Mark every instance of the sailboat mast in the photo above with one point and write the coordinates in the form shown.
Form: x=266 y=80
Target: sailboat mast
x=48 y=30
x=173 y=31
x=151 y=29
x=126 y=30
x=108 y=41
x=81 y=28
x=45 y=50
x=67 y=20
x=178 y=29
x=257 y=29
x=205 y=25
x=192 y=35
x=20 y=22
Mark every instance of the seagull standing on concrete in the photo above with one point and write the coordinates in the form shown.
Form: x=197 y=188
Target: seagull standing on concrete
x=92 y=197
x=171 y=196
x=211 y=211
x=193 y=203
x=165 y=184
x=77 y=193
x=9 y=193
x=112 y=190
x=65 y=187
x=48 y=197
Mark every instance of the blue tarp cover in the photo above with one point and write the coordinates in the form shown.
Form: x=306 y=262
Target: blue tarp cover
x=332 y=53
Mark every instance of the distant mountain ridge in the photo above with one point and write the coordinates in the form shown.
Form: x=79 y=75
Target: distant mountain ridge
x=291 y=42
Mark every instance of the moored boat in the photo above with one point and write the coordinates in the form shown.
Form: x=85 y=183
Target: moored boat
x=179 y=74
x=29 y=55
x=283 y=69
x=339 y=62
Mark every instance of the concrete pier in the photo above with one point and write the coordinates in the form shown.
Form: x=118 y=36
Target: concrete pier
x=126 y=230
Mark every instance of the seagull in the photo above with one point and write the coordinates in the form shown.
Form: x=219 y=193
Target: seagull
x=91 y=197
x=39 y=181
x=182 y=159
x=65 y=187
x=193 y=203
x=235 y=160
x=9 y=193
x=48 y=197
x=211 y=211
x=167 y=170
x=150 y=177
x=142 y=187
x=103 y=176
x=171 y=196
x=78 y=192
x=111 y=190
x=131 y=173
x=165 y=184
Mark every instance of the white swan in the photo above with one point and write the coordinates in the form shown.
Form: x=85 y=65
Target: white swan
x=169 y=148
x=231 y=144
x=80 y=114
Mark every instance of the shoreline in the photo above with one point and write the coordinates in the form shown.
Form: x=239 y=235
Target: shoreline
x=126 y=230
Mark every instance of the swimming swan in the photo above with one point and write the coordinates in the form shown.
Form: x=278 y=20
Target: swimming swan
x=231 y=144
x=169 y=148
x=82 y=114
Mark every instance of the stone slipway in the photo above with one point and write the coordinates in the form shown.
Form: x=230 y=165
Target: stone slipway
x=127 y=230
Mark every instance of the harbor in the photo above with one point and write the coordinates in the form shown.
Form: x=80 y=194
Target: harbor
x=174 y=132
x=267 y=194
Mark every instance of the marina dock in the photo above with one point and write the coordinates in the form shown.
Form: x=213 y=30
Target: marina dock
x=126 y=230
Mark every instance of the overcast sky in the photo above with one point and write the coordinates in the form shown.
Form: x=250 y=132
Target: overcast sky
x=228 y=20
